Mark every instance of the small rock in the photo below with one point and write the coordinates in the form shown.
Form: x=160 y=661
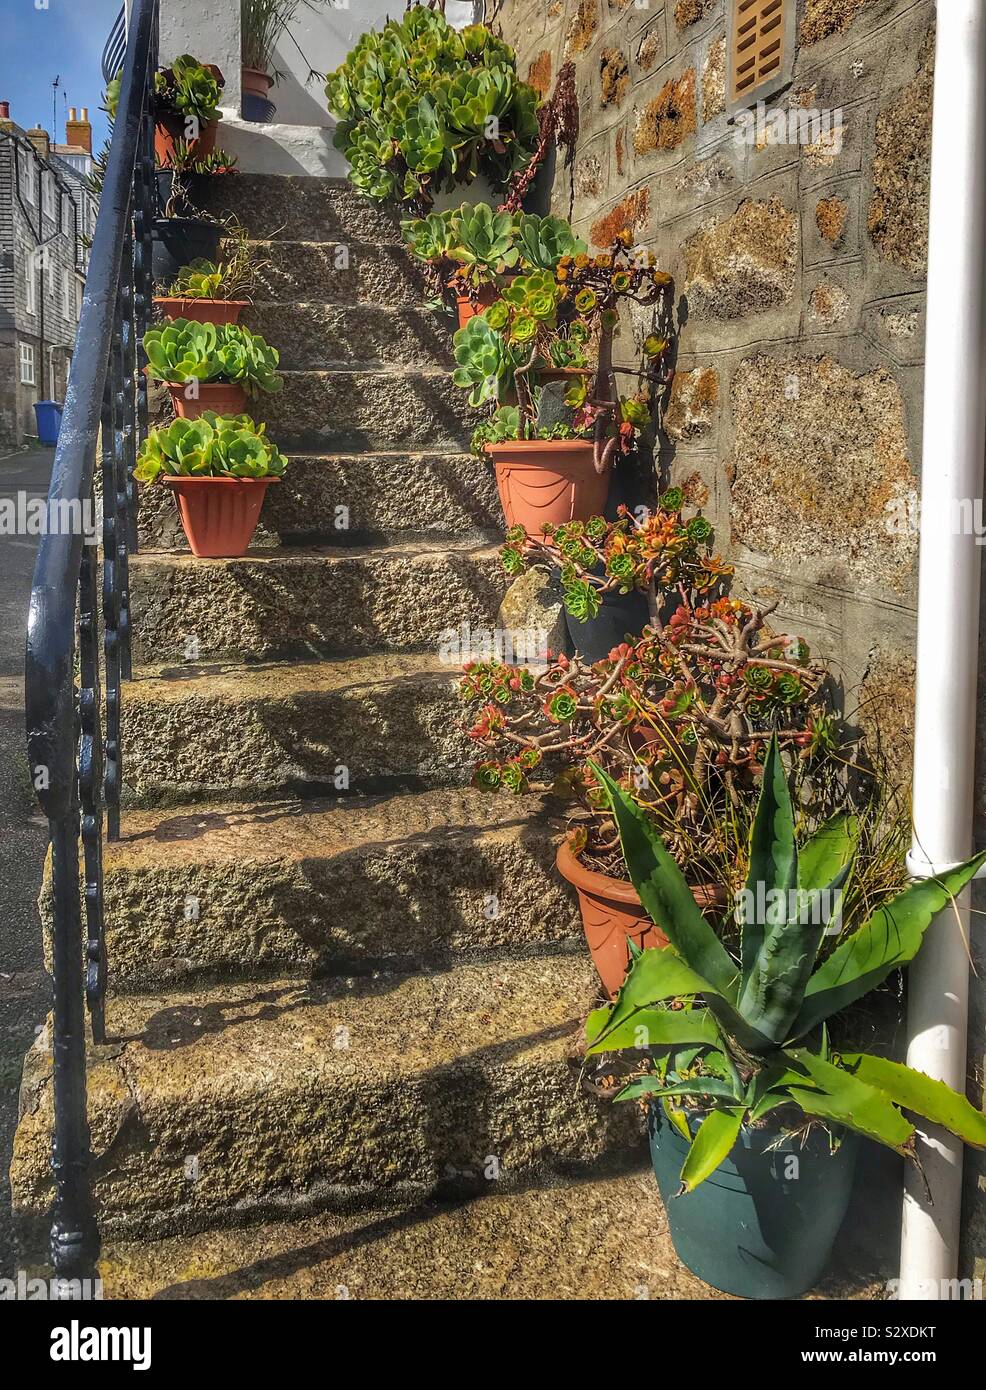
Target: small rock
x=532 y=609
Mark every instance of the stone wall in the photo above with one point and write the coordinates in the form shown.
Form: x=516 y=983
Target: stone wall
x=795 y=414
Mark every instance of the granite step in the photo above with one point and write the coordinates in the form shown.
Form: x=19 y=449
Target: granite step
x=349 y=600
x=362 y=725
x=373 y=412
x=352 y=499
x=279 y=207
x=319 y=887
x=356 y=337
x=212 y=1107
x=345 y=274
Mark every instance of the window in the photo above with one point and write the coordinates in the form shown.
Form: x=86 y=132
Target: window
x=78 y=299
x=30 y=281
x=68 y=296
x=760 y=46
x=48 y=196
x=27 y=364
x=27 y=176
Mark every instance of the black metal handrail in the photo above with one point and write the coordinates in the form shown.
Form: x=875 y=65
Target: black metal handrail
x=115 y=46
x=69 y=700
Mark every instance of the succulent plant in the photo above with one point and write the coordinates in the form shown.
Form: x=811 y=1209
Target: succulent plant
x=186 y=89
x=738 y=1040
x=542 y=241
x=483 y=242
x=201 y=279
x=431 y=238
x=486 y=362
x=215 y=446
x=184 y=350
x=422 y=107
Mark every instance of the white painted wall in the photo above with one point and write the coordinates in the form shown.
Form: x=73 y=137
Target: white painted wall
x=323 y=32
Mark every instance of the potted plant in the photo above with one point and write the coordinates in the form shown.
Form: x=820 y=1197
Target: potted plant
x=186 y=107
x=182 y=233
x=210 y=367
x=746 y=1059
x=537 y=331
x=215 y=292
x=423 y=107
x=263 y=23
x=472 y=253
x=218 y=469
x=680 y=719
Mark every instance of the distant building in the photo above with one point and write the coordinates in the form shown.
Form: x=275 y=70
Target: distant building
x=47 y=218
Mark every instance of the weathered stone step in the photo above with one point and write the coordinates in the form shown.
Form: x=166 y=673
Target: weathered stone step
x=379 y=412
x=272 y=206
x=285 y=602
x=603 y=1239
x=360 y=337
x=292 y=600
x=206 y=1107
x=316 y=272
x=255 y=733
x=319 y=886
x=346 y=499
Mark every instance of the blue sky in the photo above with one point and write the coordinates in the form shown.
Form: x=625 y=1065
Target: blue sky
x=42 y=39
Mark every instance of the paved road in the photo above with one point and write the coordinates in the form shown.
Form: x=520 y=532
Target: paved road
x=23 y=836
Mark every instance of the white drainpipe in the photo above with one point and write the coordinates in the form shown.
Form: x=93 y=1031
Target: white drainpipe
x=948 y=617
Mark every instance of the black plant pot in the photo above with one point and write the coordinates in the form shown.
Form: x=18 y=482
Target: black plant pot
x=621 y=616
x=177 y=241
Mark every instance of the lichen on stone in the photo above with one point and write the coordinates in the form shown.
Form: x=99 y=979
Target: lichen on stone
x=665 y=122
x=820 y=468
x=650 y=50
x=745 y=264
x=828 y=303
x=714 y=81
x=693 y=399
x=539 y=73
x=582 y=29
x=691 y=11
x=830 y=219
x=630 y=214
x=825 y=17
x=614 y=77
x=898 y=213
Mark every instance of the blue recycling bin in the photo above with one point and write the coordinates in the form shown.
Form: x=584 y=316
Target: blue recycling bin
x=49 y=418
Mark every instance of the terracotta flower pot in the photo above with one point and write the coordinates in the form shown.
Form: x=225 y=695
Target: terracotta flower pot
x=255 y=81
x=169 y=129
x=488 y=295
x=255 y=103
x=225 y=398
x=548 y=481
x=201 y=310
x=612 y=915
x=219 y=515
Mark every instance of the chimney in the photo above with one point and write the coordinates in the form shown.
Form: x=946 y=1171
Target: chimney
x=79 y=131
x=5 y=122
x=41 y=141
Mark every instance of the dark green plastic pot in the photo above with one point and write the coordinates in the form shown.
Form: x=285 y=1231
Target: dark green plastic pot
x=754 y=1228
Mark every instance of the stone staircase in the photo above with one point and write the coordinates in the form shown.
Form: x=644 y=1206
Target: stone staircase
x=341 y=979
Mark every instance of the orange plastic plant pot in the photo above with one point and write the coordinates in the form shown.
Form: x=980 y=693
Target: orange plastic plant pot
x=548 y=482
x=225 y=398
x=201 y=310
x=219 y=515
x=612 y=915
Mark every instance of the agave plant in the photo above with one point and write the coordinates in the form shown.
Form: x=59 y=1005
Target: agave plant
x=215 y=446
x=744 y=1039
